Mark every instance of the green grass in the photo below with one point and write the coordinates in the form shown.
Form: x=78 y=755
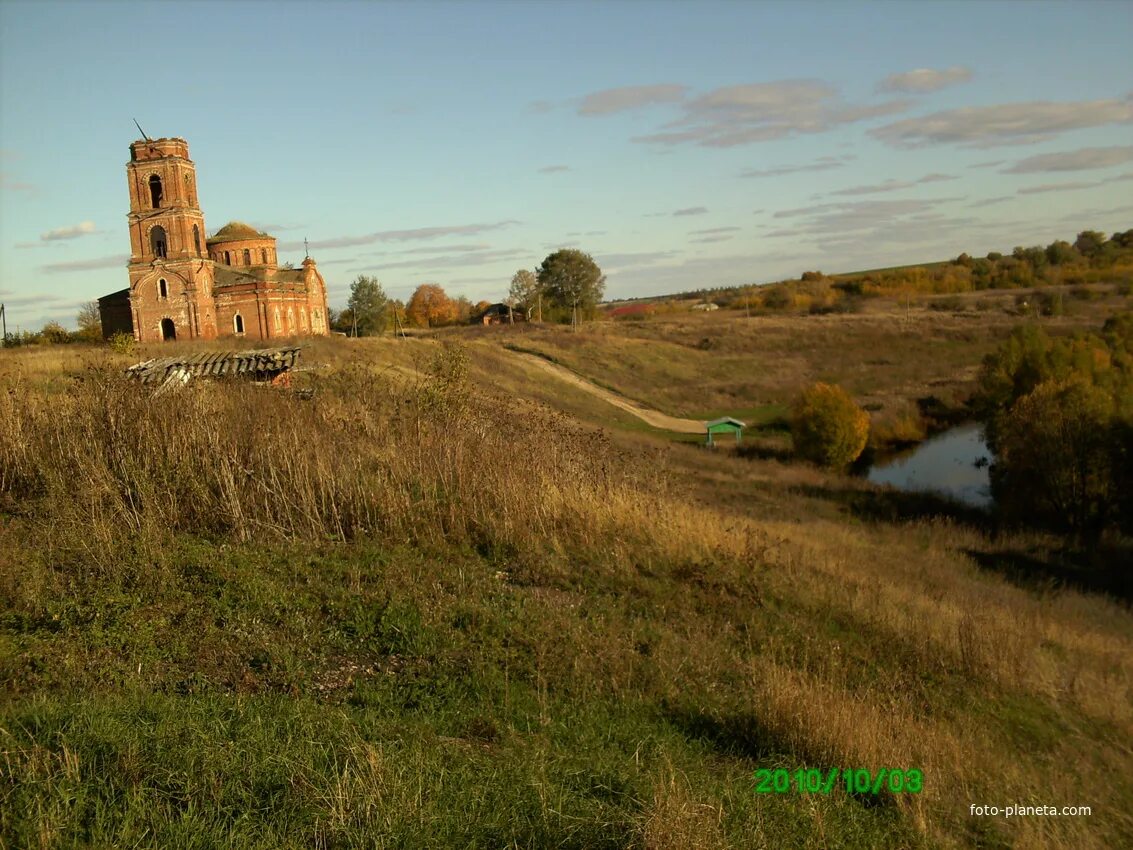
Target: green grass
x=244 y=696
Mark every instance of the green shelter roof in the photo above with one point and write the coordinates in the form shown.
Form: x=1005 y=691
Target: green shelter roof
x=724 y=423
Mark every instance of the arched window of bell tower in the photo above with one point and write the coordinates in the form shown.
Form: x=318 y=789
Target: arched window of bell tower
x=197 y=239
x=162 y=289
x=155 y=191
x=158 y=241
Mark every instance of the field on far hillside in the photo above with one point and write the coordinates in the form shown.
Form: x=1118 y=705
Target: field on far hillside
x=700 y=364
x=889 y=356
x=451 y=600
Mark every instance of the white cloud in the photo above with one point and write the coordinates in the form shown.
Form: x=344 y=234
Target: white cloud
x=756 y=112
x=455 y=259
x=1082 y=159
x=873 y=223
x=430 y=249
x=1058 y=187
x=1006 y=124
x=824 y=163
x=922 y=80
x=609 y=101
x=893 y=185
x=117 y=261
x=10 y=185
x=74 y=231
x=398 y=236
x=988 y=202
x=633 y=260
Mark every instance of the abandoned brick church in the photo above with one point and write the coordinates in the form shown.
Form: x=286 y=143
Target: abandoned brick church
x=184 y=286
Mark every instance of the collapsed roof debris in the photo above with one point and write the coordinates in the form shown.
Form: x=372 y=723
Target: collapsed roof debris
x=270 y=365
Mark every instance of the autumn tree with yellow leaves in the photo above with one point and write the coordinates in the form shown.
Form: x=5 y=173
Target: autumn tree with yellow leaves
x=430 y=307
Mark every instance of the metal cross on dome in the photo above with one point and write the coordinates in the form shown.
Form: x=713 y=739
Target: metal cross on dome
x=306 y=248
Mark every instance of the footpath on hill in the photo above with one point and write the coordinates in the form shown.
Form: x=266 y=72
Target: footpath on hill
x=645 y=414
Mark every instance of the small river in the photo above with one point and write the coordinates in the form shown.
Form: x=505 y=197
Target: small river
x=946 y=464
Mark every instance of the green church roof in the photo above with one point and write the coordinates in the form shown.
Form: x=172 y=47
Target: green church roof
x=236 y=230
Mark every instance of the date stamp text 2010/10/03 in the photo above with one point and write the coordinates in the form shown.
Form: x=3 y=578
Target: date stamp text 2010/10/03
x=853 y=780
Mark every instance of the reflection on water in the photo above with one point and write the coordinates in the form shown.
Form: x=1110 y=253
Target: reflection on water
x=946 y=464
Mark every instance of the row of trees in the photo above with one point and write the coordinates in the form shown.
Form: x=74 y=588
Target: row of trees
x=568 y=285
x=1090 y=258
x=53 y=333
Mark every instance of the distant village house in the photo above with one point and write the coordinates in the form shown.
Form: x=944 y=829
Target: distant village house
x=499 y=314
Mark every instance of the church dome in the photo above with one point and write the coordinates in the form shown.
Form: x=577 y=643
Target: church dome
x=236 y=231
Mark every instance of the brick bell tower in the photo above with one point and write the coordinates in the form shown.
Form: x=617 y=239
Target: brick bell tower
x=171 y=277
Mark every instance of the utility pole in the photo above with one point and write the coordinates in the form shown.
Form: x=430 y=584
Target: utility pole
x=4 y=321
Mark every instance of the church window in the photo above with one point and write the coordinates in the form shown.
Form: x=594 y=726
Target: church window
x=227 y=258
x=162 y=289
x=278 y=326
x=238 y=323
x=155 y=191
x=197 y=239
x=247 y=257
x=264 y=256
x=158 y=242
x=290 y=321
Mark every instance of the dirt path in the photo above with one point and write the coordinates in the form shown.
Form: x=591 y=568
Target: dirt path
x=645 y=414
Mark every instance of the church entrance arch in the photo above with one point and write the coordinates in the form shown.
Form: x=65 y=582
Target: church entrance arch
x=168 y=330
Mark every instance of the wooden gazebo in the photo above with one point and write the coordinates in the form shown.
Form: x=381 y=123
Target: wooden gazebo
x=724 y=425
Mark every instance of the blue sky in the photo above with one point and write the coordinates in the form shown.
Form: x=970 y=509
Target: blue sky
x=681 y=144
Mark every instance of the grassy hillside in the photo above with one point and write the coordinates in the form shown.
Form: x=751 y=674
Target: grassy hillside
x=447 y=602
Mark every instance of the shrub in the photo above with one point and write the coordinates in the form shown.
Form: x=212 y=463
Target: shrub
x=1051 y=303
x=951 y=304
x=827 y=427
x=54 y=333
x=778 y=298
x=122 y=343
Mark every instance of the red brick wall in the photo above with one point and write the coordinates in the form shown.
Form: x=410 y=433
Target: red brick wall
x=187 y=268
